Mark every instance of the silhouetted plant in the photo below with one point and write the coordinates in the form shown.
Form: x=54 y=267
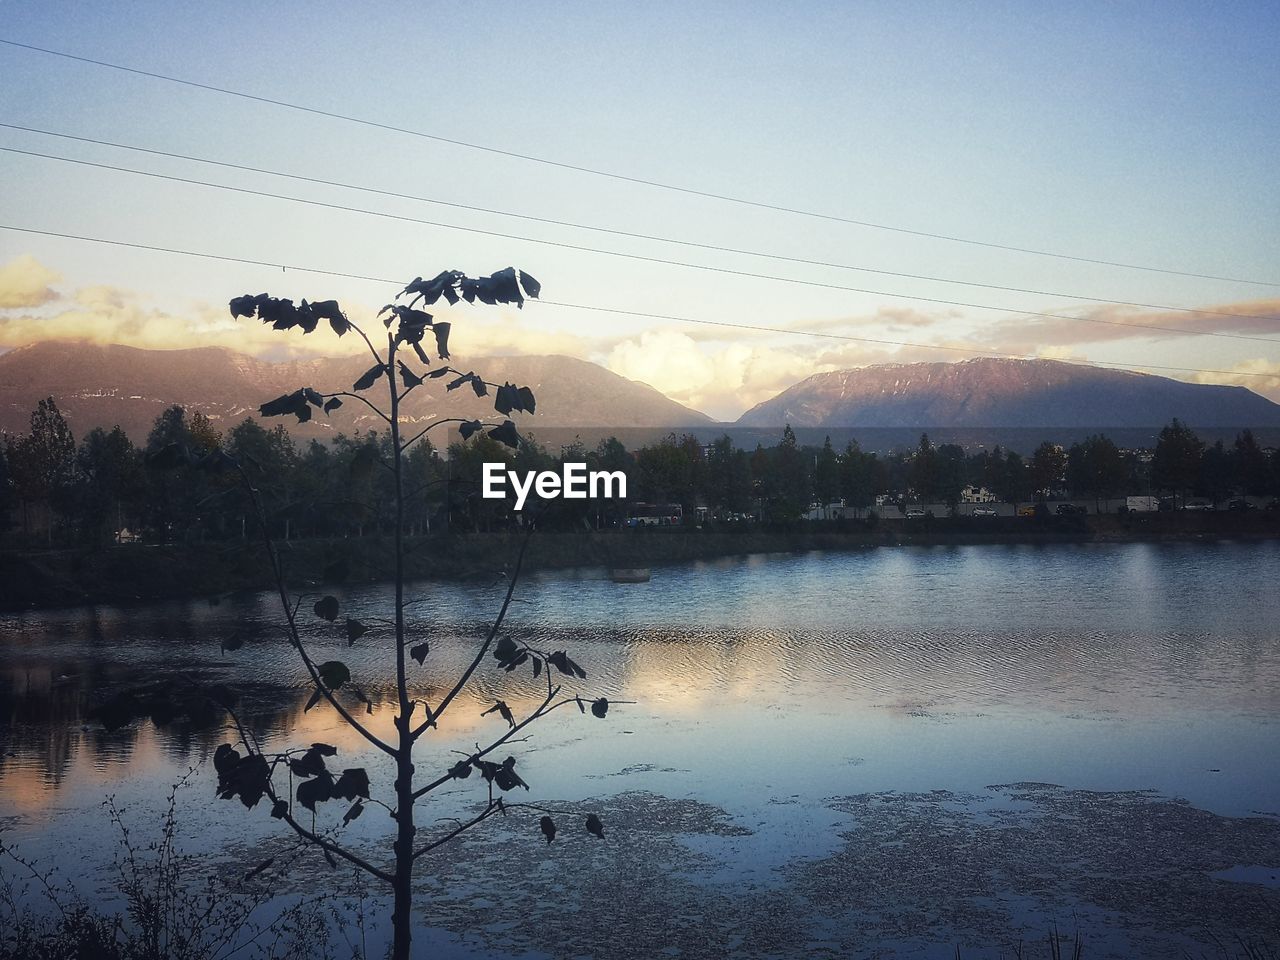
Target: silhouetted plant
x=174 y=907
x=245 y=770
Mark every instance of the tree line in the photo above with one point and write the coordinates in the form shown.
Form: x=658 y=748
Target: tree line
x=57 y=492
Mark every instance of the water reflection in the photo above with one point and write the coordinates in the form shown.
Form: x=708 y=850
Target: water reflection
x=939 y=632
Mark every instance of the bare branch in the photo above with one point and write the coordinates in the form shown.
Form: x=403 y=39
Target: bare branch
x=484 y=648
x=355 y=396
x=290 y=611
x=493 y=807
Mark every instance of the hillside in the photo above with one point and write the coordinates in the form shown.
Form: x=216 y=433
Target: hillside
x=1006 y=393
x=101 y=386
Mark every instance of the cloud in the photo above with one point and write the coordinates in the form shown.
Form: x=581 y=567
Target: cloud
x=106 y=314
x=25 y=283
x=1246 y=374
x=1109 y=323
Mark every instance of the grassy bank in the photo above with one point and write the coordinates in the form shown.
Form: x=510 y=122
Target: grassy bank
x=141 y=572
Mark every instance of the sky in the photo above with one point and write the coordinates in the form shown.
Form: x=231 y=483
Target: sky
x=1138 y=133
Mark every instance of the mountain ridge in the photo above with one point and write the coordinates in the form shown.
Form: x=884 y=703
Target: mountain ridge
x=994 y=392
x=104 y=385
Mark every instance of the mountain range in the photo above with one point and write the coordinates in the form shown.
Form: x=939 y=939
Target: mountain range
x=101 y=386
x=988 y=392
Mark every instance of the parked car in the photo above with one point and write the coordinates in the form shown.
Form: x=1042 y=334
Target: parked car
x=1027 y=511
x=984 y=511
x=913 y=512
x=1241 y=505
x=1199 y=506
x=1070 y=509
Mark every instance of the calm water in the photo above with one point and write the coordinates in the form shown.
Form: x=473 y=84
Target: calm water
x=862 y=738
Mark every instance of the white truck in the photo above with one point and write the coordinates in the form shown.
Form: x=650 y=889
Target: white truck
x=1142 y=504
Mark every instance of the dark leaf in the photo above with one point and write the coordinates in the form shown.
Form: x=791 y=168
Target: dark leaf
x=310 y=764
x=505 y=399
x=325 y=749
x=419 y=652
x=548 y=828
x=243 y=777
x=560 y=660
x=353 y=783
x=316 y=790
x=439 y=372
x=243 y=306
x=527 y=403
x=225 y=758
x=441 y=331
x=370 y=377
x=594 y=825
x=460 y=770
x=355 y=630
x=409 y=378
x=315 y=698
x=357 y=808
x=479 y=386
x=232 y=643
x=279 y=809
x=506 y=777
x=600 y=707
x=537 y=667
x=505 y=650
x=469 y=428
x=503 y=710
x=327 y=608
x=332 y=404
x=506 y=433
x=333 y=673
x=531 y=286
x=312 y=397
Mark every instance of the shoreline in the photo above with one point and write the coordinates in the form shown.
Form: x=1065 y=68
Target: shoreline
x=121 y=575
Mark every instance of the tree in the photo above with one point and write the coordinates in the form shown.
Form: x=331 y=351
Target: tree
x=951 y=473
x=179 y=501
x=924 y=471
x=1216 y=479
x=826 y=474
x=1048 y=464
x=1176 y=464
x=728 y=477
x=1251 y=467
x=43 y=463
x=1010 y=480
x=862 y=476
x=111 y=468
x=248 y=772
x=785 y=480
x=1095 y=469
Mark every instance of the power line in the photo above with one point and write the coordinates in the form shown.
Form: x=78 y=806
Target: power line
x=640 y=257
x=620 y=233
x=632 y=313
x=688 y=191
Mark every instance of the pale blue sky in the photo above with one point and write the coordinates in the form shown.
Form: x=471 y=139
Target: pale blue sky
x=1139 y=132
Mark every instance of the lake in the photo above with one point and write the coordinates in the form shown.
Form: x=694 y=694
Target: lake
x=886 y=753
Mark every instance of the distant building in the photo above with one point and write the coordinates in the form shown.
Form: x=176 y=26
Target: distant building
x=972 y=494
